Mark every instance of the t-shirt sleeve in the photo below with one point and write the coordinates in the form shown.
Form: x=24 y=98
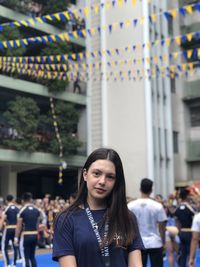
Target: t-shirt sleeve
x=196 y=223
x=63 y=237
x=137 y=242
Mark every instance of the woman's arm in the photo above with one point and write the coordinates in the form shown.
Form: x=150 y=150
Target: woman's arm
x=67 y=261
x=135 y=259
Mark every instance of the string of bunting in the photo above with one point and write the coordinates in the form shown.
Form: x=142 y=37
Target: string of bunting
x=79 y=33
x=72 y=66
x=62 y=163
x=67 y=15
x=164 y=71
x=178 y=40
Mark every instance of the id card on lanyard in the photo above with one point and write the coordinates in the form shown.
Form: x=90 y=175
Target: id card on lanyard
x=105 y=249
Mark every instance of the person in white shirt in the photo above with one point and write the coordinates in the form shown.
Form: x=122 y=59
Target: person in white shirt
x=152 y=219
x=195 y=239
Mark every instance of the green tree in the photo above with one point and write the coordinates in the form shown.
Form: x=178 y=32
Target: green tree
x=67 y=119
x=22 y=115
x=54 y=6
x=11 y=33
x=56 y=86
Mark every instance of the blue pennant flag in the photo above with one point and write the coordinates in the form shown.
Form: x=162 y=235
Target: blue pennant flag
x=108 y=52
x=99 y=30
x=197 y=7
x=110 y=28
x=1 y=28
x=179 y=68
x=121 y=25
x=184 y=39
x=117 y=51
x=113 y=3
x=63 y=18
x=184 y=54
x=197 y=36
x=182 y=11
x=167 y=15
x=135 y=22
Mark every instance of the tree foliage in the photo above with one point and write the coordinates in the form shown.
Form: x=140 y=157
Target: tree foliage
x=22 y=115
x=56 y=86
x=67 y=119
x=11 y=33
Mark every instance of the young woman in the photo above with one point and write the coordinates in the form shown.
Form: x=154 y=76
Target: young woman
x=97 y=229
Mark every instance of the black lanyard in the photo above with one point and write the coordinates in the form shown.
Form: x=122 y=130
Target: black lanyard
x=105 y=249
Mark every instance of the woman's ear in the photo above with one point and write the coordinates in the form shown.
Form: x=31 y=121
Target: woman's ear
x=85 y=175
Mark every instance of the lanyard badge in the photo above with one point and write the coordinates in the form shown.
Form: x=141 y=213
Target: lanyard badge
x=105 y=249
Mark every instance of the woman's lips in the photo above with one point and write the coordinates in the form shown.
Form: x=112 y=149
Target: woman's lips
x=100 y=190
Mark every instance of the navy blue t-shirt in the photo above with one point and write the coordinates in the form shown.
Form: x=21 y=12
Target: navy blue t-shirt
x=74 y=235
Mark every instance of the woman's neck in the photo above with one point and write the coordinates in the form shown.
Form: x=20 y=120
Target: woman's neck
x=96 y=204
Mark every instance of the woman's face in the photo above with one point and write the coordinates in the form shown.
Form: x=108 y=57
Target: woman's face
x=100 y=179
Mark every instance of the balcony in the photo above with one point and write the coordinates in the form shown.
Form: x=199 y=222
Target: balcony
x=37 y=158
x=193 y=151
x=191 y=90
x=9 y=14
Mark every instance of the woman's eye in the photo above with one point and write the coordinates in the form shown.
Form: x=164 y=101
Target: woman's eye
x=111 y=177
x=96 y=174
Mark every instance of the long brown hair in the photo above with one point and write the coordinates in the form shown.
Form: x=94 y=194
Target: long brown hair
x=121 y=222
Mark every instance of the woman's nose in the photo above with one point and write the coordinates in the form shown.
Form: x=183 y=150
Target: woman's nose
x=102 y=179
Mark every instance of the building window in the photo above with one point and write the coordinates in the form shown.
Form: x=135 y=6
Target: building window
x=195 y=116
x=175 y=142
x=173 y=85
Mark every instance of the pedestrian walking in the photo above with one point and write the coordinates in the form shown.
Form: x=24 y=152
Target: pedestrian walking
x=184 y=216
x=98 y=229
x=152 y=219
x=195 y=239
x=27 y=225
x=9 y=220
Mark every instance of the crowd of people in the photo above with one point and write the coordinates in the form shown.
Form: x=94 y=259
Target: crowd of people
x=100 y=225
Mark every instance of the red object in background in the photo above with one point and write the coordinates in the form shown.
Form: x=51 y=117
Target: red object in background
x=194 y=188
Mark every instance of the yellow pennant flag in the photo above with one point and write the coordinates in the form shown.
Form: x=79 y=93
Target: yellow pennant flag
x=75 y=34
x=57 y=15
x=189 y=36
x=58 y=57
x=5 y=44
x=49 y=17
x=128 y=23
x=73 y=56
x=39 y=19
x=189 y=53
x=11 y=43
x=184 y=67
x=142 y=20
x=198 y=52
x=81 y=56
x=168 y=41
x=178 y=40
x=148 y=60
x=52 y=58
x=86 y=11
x=53 y=37
x=134 y=2
x=108 y=5
x=191 y=66
x=66 y=14
x=23 y=22
x=156 y=59
x=66 y=36
x=18 y=43
x=83 y=32
x=45 y=38
x=175 y=55
x=173 y=13
x=17 y=24
x=93 y=31
x=25 y=41
x=38 y=59
x=153 y=18
x=120 y=3
x=189 y=9
x=96 y=8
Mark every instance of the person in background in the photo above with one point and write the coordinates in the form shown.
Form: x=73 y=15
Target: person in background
x=195 y=239
x=27 y=224
x=98 y=229
x=9 y=219
x=184 y=216
x=152 y=219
